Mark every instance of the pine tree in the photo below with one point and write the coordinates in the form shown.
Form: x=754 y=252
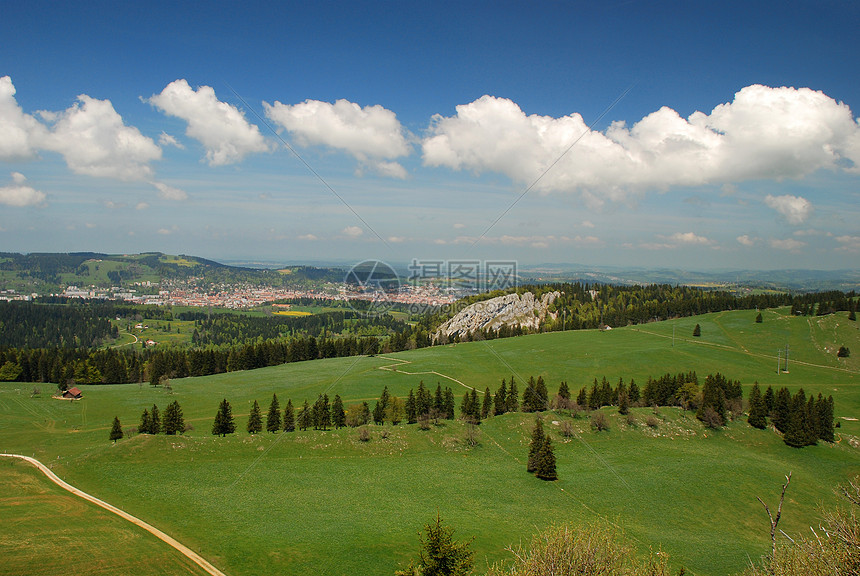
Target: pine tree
x=563 y=390
x=154 y=421
x=582 y=398
x=714 y=398
x=487 y=406
x=440 y=554
x=116 y=430
x=423 y=401
x=449 y=403
x=289 y=417
x=411 y=408
x=513 y=398
x=305 y=419
x=255 y=419
x=758 y=411
x=378 y=413
x=338 y=414
x=768 y=400
x=173 y=422
x=623 y=399
x=535 y=445
x=439 y=400
x=145 y=422
x=224 y=420
x=797 y=429
x=781 y=409
x=500 y=400
x=273 y=418
x=758 y=318
x=633 y=392
x=813 y=422
x=697 y=331
x=545 y=461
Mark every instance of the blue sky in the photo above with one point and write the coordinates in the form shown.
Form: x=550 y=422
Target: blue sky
x=420 y=126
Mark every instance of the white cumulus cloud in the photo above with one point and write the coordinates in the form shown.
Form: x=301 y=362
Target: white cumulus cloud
x=372 y=135
x=19 y=193
x=745 y=240
x=221 y=128
x=166 y=139
x=20 y=133
x=352 y=231
x=94 y=140
x=763 y=133
x=795 y=209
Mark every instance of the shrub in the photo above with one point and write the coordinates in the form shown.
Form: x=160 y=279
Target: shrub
x=424 y=422
x=843 y=352
x=652 y=421
x=579 y=550
x=363 y=434
x=599 y=422
x=631 y=420
x=566 y=429
x=711 y=418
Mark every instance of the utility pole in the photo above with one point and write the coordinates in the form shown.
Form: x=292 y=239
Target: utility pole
x=786 y=356
x=778 y=360
x=673 y=335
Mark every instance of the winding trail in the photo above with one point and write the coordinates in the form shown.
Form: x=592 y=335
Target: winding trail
x=189 y=553
x=394 y=368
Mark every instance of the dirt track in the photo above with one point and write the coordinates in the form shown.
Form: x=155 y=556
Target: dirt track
x=193 y=556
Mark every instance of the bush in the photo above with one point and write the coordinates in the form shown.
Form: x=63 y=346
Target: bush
x=711 y=418
x=187 y=428
x=566 y=429
x=652 y=421
x=843 y=352
x=363 y=434
x=631 y=420
x=574 y=551
x=599 y=422
x=424 y=422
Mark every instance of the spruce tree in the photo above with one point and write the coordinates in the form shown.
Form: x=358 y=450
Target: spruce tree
x=500 y=401
x=529 y=403
x=255 y=419
x=273 y=418
x=440 y=554
x=487 y=405
x=545 y=461
x=145 y=422
x=173 y=422
x=411 y=408
x=535 y=445
x=623 y=399
x=338 y=414
x=224 y=424
x=289 y=417
x=449 y=403
x=116 y=430
x=697 y=331
x=768 y=400
x=423 y=401
x=781 y=409
x=439 y=400
x=154 y=421
x=563 y=390
x=633 y=392
x=305 y=419
x=758 y=318
x=513 y=398
x=378 y=413
x=582 y=398
x=796 y=431
x=757 y=410
x=813 y=421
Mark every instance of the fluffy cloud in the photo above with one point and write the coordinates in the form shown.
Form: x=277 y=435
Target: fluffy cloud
x=372 y=135
x=94 y=141
x=848 y=243
x=745 y=240
x=795 y=209
x=169 y=192
x=789 y=244
x=689 y=238
x=166 y=139
x=308 y=237
x=20 y=132
x=221 y=128
x=19 y=193
x=763 y=133
x=352 y=231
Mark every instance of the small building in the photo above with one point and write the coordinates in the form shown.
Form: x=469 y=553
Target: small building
x=73 y=393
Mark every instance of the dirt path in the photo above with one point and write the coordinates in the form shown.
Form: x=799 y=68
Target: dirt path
x=394 y=368
x=193 y=556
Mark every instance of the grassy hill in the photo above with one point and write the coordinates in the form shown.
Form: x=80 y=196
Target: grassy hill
x=326 y=503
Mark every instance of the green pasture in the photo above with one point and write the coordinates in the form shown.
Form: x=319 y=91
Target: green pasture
x=325 y=503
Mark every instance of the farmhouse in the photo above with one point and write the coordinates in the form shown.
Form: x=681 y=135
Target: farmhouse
x=73 y=393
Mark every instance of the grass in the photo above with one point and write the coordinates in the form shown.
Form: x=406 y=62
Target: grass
x=325 y=503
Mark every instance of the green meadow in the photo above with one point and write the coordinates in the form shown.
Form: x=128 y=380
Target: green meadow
x=325 y=503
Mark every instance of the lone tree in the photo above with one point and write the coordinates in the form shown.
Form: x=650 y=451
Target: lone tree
x=758 y=319
x=255 y=419
x=224 y=420
x=273 y=418
x=289 y=417
x=545 y=461
x=697 y=331
x=116 y=430
x=440 y=554
x=535 y=445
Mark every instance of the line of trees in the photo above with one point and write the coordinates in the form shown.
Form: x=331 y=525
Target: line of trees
x=171 y=422
x=802 y=421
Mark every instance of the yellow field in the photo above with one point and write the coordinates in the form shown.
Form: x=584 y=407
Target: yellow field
x=292 y=313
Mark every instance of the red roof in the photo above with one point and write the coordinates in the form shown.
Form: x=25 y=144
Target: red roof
x=74 y=391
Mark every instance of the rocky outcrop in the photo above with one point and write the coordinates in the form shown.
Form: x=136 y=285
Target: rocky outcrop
x=512 y=310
